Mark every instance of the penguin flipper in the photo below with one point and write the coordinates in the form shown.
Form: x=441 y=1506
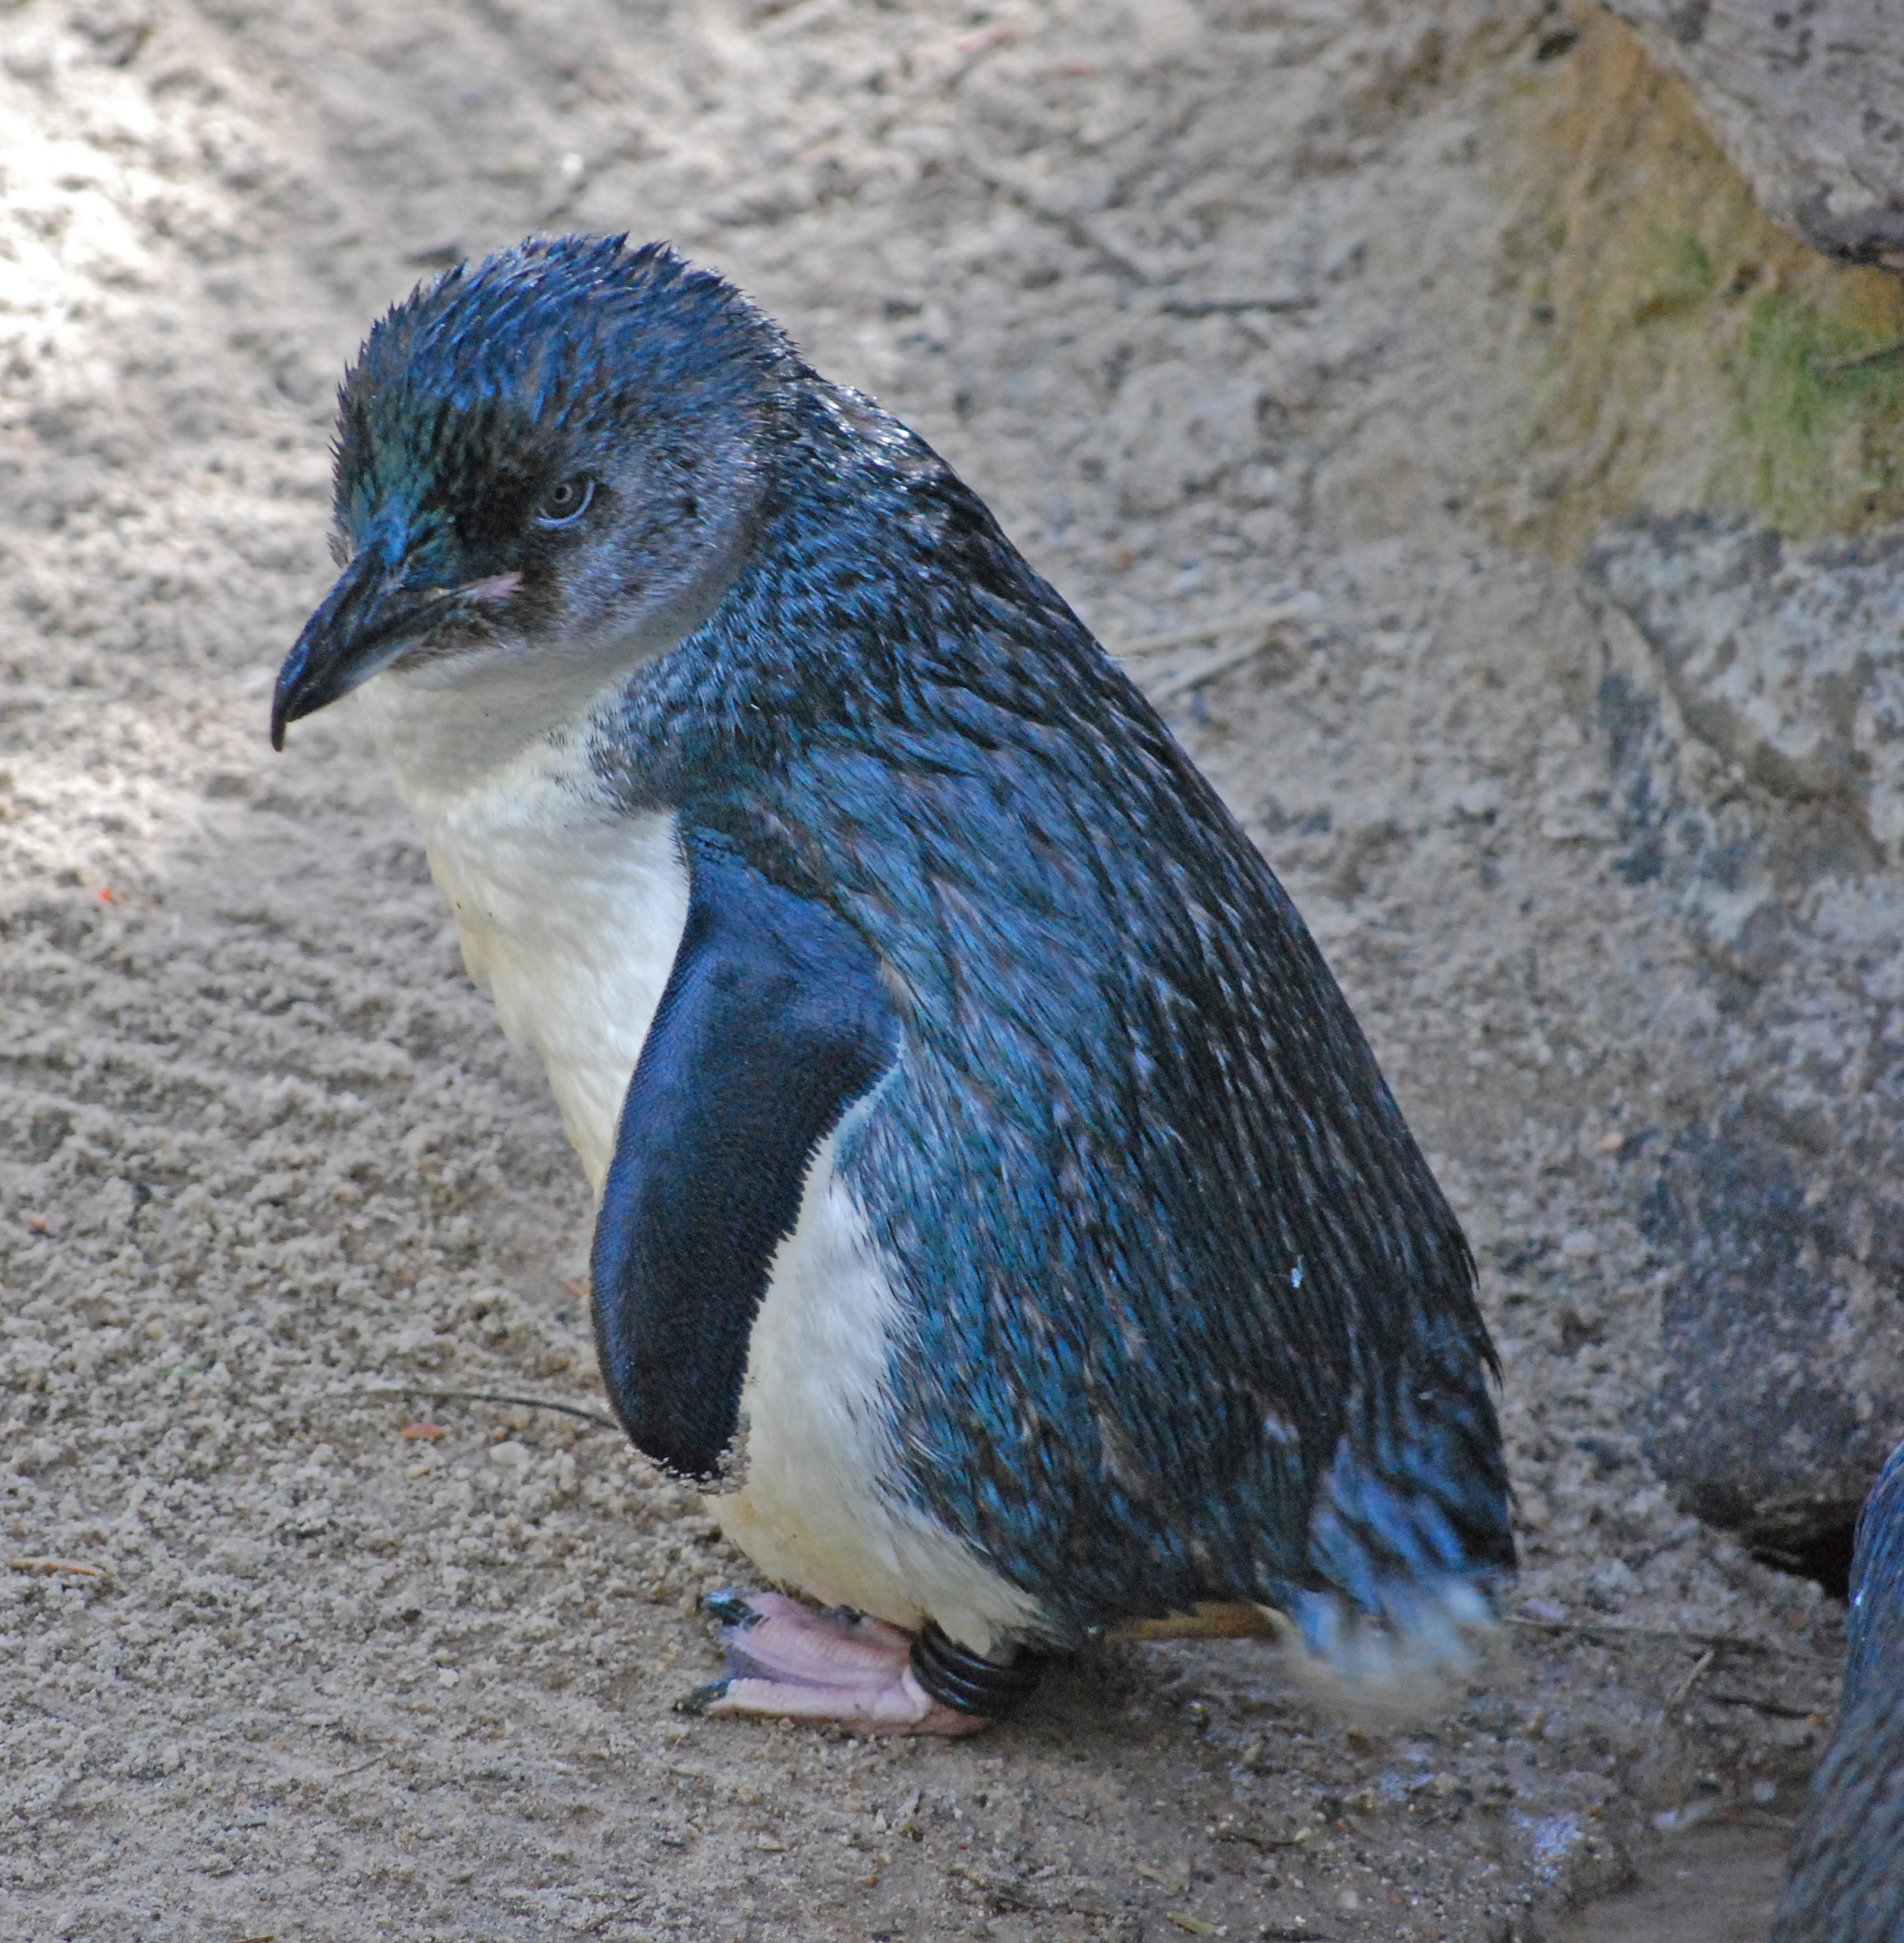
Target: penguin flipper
x=774 y=1021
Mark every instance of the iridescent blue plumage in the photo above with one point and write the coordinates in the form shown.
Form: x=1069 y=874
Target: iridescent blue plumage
x=1175 y=1313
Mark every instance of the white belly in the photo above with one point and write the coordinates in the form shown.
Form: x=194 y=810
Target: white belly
x=819 y=1507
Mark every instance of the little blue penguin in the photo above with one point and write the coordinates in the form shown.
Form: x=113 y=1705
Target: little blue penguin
x=1845 y=1879
x=1001 y=1215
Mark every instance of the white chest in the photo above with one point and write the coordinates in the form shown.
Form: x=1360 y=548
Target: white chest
x=570 y=912
x=573 y=929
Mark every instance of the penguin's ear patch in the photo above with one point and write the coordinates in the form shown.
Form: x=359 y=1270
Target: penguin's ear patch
x=773 y=1022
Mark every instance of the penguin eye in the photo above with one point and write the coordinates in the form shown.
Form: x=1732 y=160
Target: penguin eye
x=565 y=502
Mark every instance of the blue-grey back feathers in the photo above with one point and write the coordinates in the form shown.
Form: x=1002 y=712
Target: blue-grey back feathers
x=1129 y=1099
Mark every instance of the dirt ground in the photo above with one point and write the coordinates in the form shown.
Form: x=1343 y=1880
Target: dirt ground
x=1207 y=300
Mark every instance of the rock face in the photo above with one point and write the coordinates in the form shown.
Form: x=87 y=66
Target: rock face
x=1846 y=1881
x=1809 y=102
x=1754 y=704
x=1780 y=1380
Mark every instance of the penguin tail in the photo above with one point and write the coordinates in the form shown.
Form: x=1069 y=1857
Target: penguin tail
x=1401 y=1670
x=1411 y=1549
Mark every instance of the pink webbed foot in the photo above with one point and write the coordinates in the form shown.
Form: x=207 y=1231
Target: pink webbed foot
x=786 y=1661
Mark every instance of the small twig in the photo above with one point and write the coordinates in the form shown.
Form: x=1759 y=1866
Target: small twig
x=1000 y=34
x=436 y=1395
x=1182 y=683
x=1681 y=1688
x=1256 y=1839
x=1208 y=630
x=1079 y=228
x=1777 y=1709
x=1005 y=1894
x=1658 y=1636
x=1859 y=361
x=1235 y=307
x=50 y=1565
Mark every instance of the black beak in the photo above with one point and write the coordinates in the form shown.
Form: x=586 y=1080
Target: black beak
x=363 y=624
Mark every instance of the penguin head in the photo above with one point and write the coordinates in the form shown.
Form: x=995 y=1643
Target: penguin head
x=547 y=470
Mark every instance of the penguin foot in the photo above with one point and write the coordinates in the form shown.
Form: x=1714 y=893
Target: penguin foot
x=788 y=1661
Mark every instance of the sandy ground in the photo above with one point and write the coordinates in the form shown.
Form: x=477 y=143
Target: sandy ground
x=1206 y=300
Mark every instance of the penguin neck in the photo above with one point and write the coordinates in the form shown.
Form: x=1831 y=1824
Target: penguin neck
x=508 y=720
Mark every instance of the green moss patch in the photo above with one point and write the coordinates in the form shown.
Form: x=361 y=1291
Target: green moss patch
x=1819 y=428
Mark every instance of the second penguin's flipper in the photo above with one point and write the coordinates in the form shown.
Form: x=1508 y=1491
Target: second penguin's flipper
x=1846 y=1878
x=773 y=1022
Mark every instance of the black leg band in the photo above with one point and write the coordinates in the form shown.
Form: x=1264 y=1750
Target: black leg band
x=967 y=1684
